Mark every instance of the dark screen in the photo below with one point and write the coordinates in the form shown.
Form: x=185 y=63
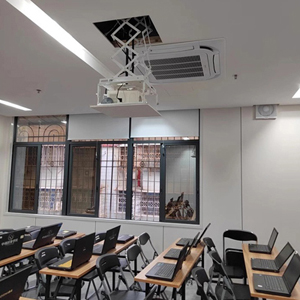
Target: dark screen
x=284 y=254
x=273 y=238
x=292 y=272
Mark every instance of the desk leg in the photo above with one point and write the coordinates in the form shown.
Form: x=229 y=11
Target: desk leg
x=78 y=289
x=174 y=294
x=135 y=267
x=48 y=284
x=183 y=291
x=202 y=259
x=147 y=288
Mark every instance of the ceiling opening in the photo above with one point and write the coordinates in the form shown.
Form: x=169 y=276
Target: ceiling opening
x=141 y=22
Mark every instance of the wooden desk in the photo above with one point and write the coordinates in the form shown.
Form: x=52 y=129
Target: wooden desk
x=27 y=253
x=23 y=298
x=179 y=280
x=79 y=272
x=247 y=258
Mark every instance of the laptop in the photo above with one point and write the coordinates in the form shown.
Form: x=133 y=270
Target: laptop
x=62 y=234
x=12 y=286
x=166 y=271
x=279 y=285
x=174 y=253
x=184 y=241
x=124 y=238
x=45 y=237
x=82 y=253
x=11 y=243
x=110 y=241
x=273 y=265
x=265 y=248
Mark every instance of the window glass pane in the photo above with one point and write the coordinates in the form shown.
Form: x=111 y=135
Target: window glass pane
x=24 y=178
x=51 y=179
x=41 y=129
x=83 y=180
x=146 y=182
x=180 y=182
x=113 y=174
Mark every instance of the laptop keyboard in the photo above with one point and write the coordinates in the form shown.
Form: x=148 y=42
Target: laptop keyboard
x=274 y=283
x=266 y=264
x=173 y=253
x=165 y=270
x=97 y=248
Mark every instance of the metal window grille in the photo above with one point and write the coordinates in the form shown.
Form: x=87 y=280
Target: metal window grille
x=146 y=182
x=113 y=177
x=83 y=180
x=51 y=179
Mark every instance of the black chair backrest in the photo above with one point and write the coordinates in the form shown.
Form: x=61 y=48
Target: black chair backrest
x=217 y=263
x=209 y=243
x=67 y=246
x=239 y=235
x=46 y=256
x=144 y=238
x=133 y=252
x=105 y=263
x=200 y=276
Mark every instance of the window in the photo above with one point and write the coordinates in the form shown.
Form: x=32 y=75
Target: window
x=91 y=178
x=38 y=165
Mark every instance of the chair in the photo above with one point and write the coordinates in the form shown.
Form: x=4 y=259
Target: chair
x=67 y=246
x=200 y=276
x=233 y=257
x=227 y=289
x=142 y=240
x=104 y=264
x=61 y=287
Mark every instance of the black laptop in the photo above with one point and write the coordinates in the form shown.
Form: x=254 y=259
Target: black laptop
x=11 y=243
x=184 y=241
x=82 y=253
x=174 y=253
x=124 y=238
x=270 y=264
x=12 y=286
x=277 y=285
x=45 y=237
x=265 y=248
x=166 y=271
x=62 y=234
x=110 y=241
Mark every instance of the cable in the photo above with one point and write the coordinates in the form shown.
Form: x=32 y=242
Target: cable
x=120 y=99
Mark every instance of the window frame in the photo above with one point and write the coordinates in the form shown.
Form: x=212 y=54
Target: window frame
x=162 y=217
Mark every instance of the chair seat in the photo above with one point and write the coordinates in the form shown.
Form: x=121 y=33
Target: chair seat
x=93 y=274
x=127 y=295
x=241 y=292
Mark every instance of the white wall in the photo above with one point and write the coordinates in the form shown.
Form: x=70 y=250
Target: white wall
x=248 y=167
x=271 y=174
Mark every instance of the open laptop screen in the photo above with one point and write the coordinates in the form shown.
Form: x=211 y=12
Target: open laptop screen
x=284 y=254
x=12 y=286
x=273 y=238
x=292 y=272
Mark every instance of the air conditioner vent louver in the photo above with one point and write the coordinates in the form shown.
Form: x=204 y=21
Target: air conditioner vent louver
x=183 y=62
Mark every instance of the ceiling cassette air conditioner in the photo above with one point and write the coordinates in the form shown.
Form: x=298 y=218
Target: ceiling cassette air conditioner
x=182 y=62
x=265 y=112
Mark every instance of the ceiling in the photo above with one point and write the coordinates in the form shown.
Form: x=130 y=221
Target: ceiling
x=262 y=46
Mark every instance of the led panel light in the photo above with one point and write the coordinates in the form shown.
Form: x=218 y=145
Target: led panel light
x=41 y=19
x=297 y=95
x=14 y=105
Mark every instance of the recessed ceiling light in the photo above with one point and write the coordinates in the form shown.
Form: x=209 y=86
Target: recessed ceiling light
x=186 y=138
x=14 y=105
x=41 y=19
x=297 y=95
x=65 y=122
